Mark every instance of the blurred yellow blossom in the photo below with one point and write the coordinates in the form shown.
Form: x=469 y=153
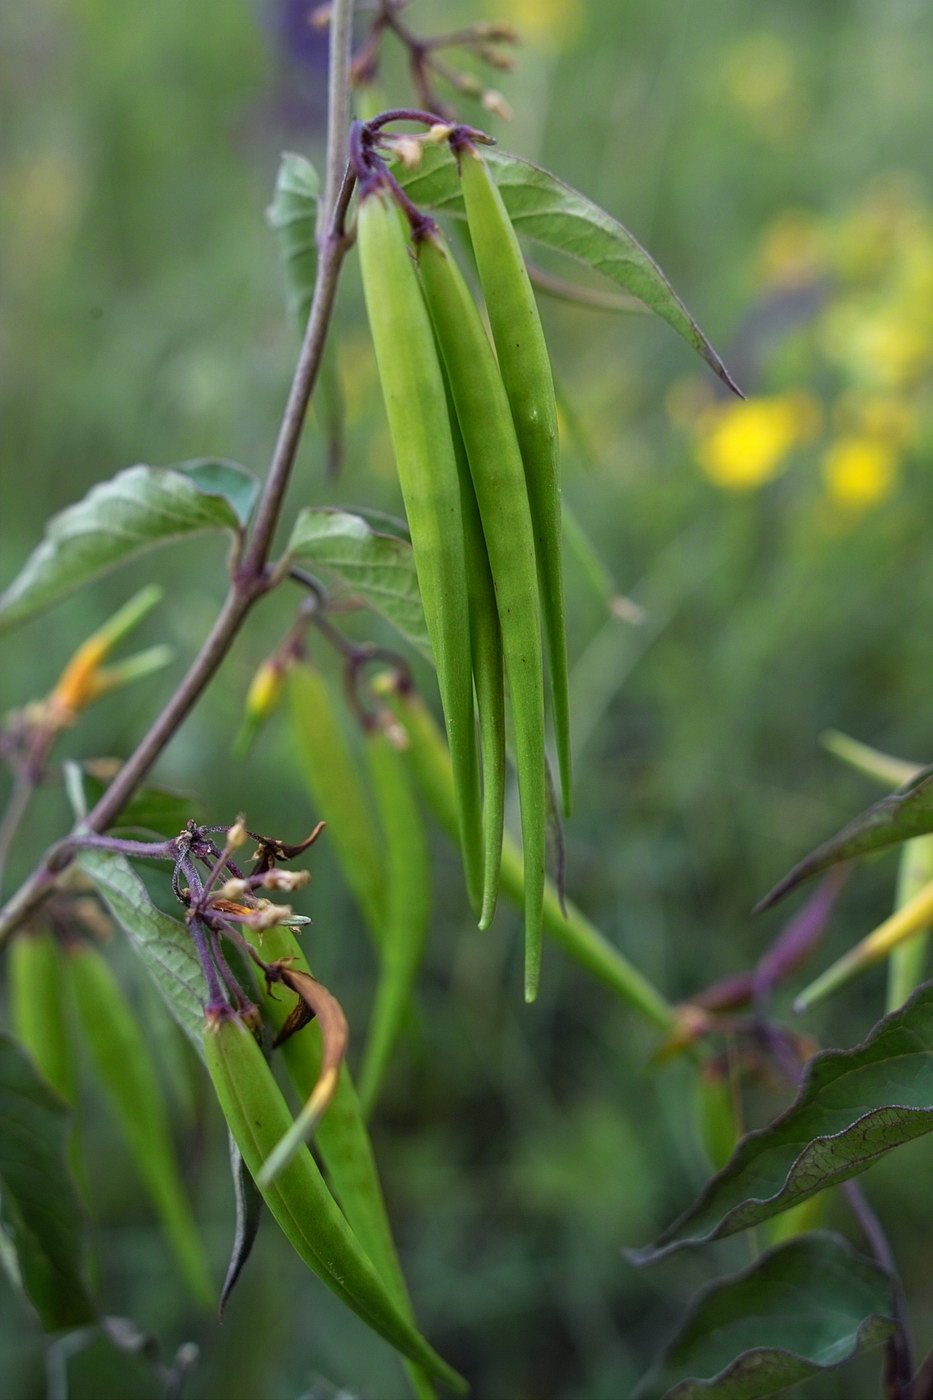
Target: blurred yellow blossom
x=859 y=472
x=877 y=346
x=742 y=445
x=888 y=220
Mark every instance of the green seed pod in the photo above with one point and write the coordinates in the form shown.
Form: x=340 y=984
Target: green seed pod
x=526 y=374
x=120 y=1055
x=311 y=1220
x=488 y=679
x=570 y=930
x=330 y=772
x=341 y=1138
x=38 y=1013
x=416 y=406
x=408 y=894
x=499 y=481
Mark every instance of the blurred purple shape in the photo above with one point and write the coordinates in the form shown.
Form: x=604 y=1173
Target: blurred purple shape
x=798 y=939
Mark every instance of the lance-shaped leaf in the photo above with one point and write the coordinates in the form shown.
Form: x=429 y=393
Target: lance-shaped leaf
x=379 y=569
x=163 y=943
x=806 y=1307
x=42 y=1223
x=117 y=519
x=898 y=817
x=854 y=1106
x=553 y=214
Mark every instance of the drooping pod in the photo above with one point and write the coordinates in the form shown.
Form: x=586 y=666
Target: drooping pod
x=529 y=384
x=38 y=1011
x=488 y=681
x=298 y=1198
x=327 y=766
x=416 y=406
x=408 y=886
x=341 y=1139
x=498 y=476
x=120 y=1055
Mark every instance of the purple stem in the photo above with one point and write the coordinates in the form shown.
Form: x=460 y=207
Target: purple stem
x=215 y=992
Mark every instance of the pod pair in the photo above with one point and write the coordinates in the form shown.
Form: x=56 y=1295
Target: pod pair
x=526 y=373
x=341 y=1138
x=258 y=1117
x=497 y=482
x=416 y=406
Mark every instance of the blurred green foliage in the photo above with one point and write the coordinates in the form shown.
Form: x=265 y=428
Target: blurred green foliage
x=774 y=159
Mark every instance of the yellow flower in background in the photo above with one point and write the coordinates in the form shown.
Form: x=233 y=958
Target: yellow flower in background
x=888 y=348
x=743 y=445
x=887 y=221
x=859 y=472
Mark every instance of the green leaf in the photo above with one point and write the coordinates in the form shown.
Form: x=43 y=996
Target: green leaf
x=117 y=519
x=545 y=210
x=803 y=1308
x=163 y=943
x=379 y=569
x=854 y=1106
x=900 y=816
x=42 y=1217
x=293 y=215
x=226 y=481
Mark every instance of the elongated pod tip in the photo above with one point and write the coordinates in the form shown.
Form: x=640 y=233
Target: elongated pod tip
x=532 y=964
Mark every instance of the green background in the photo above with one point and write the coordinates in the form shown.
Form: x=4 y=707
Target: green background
x=143 y=320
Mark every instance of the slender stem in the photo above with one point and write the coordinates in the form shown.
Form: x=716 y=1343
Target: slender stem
x=338 y=101
x=334 y=250
x=201 y=938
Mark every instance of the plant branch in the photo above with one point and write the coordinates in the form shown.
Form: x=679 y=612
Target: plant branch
x=250 y=580
x=334 y=249
x=338 y=102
